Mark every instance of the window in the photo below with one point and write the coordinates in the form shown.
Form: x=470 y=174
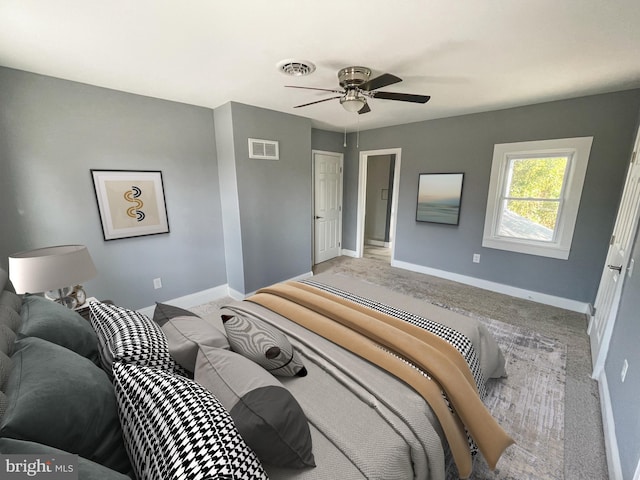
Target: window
x=534 y=195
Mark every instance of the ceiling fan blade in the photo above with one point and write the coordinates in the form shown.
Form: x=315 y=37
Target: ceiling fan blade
x=403 y=97
x=364 y=109
x=383 y=80
x=313 y=88
x=318 y=101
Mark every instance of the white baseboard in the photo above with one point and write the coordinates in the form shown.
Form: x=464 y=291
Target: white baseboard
x=209 y=295
x=298 y=277
x=348 y=253
x=608 y=426
x=377 y=243
x=192 y=300
x=544 y=298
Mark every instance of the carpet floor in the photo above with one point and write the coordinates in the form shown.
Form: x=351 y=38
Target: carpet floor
x=578 y=411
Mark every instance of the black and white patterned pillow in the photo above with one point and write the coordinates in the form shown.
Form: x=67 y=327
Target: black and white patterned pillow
x=130 y=337
x=175 y=428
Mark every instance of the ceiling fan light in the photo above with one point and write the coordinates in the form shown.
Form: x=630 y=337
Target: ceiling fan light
x=352 y=102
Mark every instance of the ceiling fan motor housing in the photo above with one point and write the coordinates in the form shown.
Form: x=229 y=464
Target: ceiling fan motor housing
x=351 y=77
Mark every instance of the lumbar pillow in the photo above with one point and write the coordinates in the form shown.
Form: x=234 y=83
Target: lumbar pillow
x=174 y=428
x=185 y=331
x=57 y=324
x=131 y=337
x=61 y=399
x=263 y=344
x=267 y=416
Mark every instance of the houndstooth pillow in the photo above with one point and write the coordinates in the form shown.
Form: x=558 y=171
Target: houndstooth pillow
x=174 y=428
x=131 y=337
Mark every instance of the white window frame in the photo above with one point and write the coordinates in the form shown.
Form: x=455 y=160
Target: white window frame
x=577 y=150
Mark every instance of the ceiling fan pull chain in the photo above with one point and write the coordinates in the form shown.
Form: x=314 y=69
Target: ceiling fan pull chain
x=358 y=134
x=345 y=137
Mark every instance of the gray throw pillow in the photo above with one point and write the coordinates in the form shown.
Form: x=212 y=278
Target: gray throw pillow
x=61 y=399
x=263 y=344
x=267 y=415
x=57 y=324
x=87 y=470
x=185 y=331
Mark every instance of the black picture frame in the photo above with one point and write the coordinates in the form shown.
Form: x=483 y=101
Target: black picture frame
x=131 y=203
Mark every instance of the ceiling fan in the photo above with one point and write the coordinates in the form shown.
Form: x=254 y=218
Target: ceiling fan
x=357 y=88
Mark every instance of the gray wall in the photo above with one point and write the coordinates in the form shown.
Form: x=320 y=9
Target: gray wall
x=275 y=196
x=465 y=144
x=227 y=176
x=327 y=141
x=624 y=396
x=52 y=132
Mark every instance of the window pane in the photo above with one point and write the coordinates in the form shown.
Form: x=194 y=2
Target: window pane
x=530 y=220
x=537 y=177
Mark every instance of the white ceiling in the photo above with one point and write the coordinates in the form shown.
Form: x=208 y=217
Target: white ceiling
x=470 y=56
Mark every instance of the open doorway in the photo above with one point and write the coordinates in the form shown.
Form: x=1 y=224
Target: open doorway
x=379 y=175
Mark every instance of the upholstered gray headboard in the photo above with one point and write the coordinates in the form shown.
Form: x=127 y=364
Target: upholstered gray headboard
x=4 y=278
x=9 y=322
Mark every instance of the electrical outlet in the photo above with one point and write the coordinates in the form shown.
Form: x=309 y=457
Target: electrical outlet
x=157 y=283
x=625 y=367
x=476 y=258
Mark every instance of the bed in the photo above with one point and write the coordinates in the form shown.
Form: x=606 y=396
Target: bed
x=314 y=408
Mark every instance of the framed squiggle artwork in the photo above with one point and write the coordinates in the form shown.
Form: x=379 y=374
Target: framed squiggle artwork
x=131 y=203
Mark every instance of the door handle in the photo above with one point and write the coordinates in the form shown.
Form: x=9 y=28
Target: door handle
x=613 y=267
x=316 y=217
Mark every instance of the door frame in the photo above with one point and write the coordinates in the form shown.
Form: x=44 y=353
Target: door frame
x=362 y=197
x=313 y=199
x=601 y=351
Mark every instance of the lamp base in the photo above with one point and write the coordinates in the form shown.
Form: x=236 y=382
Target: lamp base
x=63 y=296
x=68 y=302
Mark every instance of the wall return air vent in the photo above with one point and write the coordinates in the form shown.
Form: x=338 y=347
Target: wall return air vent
x=263 y=149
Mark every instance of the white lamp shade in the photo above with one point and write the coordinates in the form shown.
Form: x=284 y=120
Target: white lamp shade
x=50 y=268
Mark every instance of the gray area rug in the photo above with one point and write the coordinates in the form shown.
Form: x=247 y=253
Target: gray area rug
x=528 y=404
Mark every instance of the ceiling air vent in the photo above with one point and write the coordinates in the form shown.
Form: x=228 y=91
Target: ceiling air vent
x=296 y=68
x=263 y=149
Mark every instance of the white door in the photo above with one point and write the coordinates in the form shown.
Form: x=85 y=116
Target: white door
x=327 y=181
x=616 y=266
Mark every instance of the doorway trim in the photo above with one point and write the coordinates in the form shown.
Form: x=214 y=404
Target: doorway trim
x=362 y=197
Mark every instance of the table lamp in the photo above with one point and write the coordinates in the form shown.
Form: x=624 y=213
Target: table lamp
x=55 y=271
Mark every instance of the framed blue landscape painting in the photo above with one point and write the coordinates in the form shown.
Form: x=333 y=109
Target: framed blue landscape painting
x=439 y=197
